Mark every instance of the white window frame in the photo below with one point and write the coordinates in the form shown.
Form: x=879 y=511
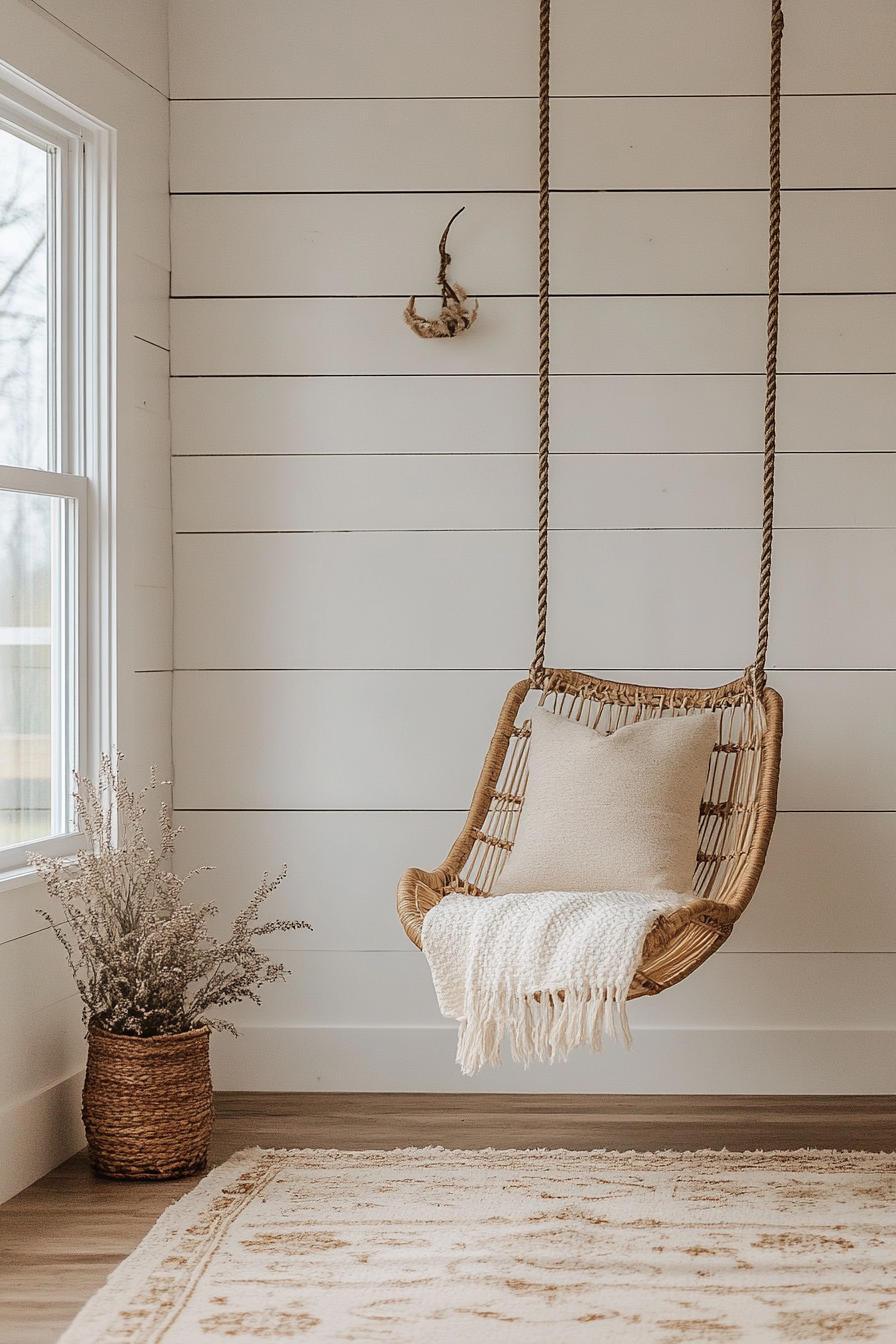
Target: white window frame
x=84 y=394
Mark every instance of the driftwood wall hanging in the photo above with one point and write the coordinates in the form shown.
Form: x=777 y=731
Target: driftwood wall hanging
x=455 y=317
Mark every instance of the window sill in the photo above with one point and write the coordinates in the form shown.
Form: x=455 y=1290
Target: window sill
x=13 y=878
x=18 y=872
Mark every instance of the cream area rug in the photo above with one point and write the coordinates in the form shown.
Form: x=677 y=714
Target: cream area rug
x=539 y=1247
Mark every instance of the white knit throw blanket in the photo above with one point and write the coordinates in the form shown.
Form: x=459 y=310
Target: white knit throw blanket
x=499 y=965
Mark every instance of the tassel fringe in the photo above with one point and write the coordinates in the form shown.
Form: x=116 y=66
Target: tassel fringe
x=545 y=1025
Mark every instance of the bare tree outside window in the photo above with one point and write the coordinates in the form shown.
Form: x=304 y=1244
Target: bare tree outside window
x=27 y=521
x=57 y=555
x=24 y=306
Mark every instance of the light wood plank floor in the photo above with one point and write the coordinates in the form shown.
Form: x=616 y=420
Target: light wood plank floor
x=60 y=1238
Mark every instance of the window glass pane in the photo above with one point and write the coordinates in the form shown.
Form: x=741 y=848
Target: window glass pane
x=33 y=753
x=24 y=304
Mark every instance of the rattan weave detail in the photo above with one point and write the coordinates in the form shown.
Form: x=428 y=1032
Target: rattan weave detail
x=736 y=820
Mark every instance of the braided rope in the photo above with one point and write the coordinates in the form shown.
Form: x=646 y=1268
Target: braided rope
x=771 y=363
x=536 y=673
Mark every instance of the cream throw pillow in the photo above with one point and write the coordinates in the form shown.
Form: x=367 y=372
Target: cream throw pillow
x=617 y=813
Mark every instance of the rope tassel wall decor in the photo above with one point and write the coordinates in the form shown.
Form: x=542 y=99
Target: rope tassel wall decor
x=454 y=317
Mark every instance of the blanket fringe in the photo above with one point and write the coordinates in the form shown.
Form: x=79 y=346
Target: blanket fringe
x=545 y=1025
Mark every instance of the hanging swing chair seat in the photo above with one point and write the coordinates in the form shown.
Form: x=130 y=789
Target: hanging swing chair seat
x=738 y=808
x=736 y=815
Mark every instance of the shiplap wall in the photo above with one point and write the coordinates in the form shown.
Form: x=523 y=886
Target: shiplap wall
x=355 y=508
x=109 y=59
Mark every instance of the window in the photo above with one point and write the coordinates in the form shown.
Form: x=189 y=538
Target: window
x=56 y=576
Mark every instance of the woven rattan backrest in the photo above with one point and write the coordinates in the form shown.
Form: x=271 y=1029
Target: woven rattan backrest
x=732 y=801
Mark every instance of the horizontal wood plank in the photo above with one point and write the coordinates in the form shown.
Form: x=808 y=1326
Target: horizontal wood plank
x=679 y=598
x=261 y=740
x=743 y=991
x=404 y=1059
x=352 y=244
x=346 y=49
x=362 y=600
x=466 y=600
x=836 y=490
x=385 y=144
x=343 y=336
x=354 y=145
x=715 y=334
x=602 y=243
x=693 y=413
x=403 y=414
x=839 y=738
x=343 y=868
x=693 y=242
x=655 y=335
x=615 y=491
x=721 y=144
x=581 y=1122
x=346 y=494
x=698 y=47
x=349 y=49
x=362 y=740
x=819 y=865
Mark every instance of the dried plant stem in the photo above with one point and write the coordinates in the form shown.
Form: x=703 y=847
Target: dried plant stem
x=143 y=959
x=455 y=317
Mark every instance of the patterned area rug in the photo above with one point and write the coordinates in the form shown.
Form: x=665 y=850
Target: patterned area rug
x=422 y=1245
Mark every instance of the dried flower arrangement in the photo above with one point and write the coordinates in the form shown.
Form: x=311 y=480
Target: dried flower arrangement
x=454 y=317
x=143 y=959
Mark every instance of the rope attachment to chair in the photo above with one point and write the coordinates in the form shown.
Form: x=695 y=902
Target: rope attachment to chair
x=757 y=671
x=536 y=672
x=771 y=363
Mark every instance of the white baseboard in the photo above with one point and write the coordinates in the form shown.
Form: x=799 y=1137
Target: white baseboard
x=40 y=1132
x=674 y=1061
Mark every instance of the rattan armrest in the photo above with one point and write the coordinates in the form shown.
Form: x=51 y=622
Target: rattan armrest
x=418 y=892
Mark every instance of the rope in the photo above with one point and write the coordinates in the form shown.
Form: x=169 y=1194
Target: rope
x=757 y=671
x=536 y=673
x=771 y=363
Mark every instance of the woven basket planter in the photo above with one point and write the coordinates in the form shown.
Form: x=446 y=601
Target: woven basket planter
x=148 y=1104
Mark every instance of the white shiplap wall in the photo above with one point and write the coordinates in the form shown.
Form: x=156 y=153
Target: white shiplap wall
x=111 y=60
x=354 y=508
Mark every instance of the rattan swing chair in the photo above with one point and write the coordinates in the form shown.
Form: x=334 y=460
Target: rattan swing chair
x=738 y=809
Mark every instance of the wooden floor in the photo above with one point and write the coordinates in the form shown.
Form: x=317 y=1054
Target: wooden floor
x=60 y=1238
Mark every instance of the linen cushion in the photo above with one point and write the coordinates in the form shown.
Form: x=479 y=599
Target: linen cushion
x=611 y=813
